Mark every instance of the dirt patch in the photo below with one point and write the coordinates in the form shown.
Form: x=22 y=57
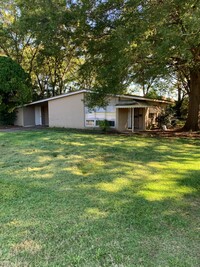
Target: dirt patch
x=170 y=133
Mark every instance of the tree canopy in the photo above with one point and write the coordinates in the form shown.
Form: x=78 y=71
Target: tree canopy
x=38 y=35
x=142 y=40
x=105 y=46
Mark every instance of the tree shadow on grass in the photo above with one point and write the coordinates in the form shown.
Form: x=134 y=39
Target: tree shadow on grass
x=101 y=205
x=103 y=227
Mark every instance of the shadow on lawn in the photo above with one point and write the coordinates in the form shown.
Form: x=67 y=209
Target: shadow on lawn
x=92 y=199
x=96 y=163
x=97 y=224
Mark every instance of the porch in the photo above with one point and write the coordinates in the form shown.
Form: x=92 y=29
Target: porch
x=132 y=116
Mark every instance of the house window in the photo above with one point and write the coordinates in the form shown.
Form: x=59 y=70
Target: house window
x=111 y=123
x=89 y=123
x=93 y=117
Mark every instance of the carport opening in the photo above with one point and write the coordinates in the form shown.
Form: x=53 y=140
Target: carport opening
x=42 y=115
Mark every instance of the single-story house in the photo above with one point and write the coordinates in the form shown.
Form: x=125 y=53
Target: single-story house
x=123 y=113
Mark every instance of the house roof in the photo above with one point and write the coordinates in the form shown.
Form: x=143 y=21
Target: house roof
x=133 y=104
x=133 y=97
x=145 y=98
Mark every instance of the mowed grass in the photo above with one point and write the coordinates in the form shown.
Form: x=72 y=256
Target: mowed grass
x=72 y=198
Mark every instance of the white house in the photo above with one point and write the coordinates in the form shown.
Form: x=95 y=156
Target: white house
x=123 y=113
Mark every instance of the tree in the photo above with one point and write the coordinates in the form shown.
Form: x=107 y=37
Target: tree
x=15 y=89
x=158 y=37
x=15 y=41
x=38 y=35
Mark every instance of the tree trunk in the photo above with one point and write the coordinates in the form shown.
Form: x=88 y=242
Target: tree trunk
x=192 y=122
x=179 y=102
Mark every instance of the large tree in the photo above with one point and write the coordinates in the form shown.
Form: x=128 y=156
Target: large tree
x=129 y=39
x=38 y=35
x=15 y=89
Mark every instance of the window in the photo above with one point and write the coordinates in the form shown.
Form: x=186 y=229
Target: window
x=89 y=122
x=93 y=117
x=110 y=123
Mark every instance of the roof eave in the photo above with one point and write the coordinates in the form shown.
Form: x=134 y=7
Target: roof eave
x=146 y=99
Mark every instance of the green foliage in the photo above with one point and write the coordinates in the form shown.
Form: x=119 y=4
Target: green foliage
x=104 y=125
x=7 y=116
x=153 y=94
x=167 y=117
x=184 y=108
x=133 y=41
x=181 y=109
x=105 y=46
x=15 y=89
x=38 y=35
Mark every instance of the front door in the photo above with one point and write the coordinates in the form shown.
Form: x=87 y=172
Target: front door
x=138 y=118
x=131 y=119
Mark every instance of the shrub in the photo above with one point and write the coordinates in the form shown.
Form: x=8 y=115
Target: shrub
x=104 y=125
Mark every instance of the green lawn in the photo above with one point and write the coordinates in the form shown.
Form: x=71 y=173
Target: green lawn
x=70 y=198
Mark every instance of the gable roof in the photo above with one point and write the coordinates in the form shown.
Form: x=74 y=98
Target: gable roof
x=133 y=97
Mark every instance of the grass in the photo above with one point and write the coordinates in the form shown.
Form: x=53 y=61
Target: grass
x=78 y=199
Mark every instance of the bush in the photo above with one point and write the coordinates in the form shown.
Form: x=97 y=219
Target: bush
x=15 y=89
x=167 y=118
x=104 y=125
x=7 y=118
